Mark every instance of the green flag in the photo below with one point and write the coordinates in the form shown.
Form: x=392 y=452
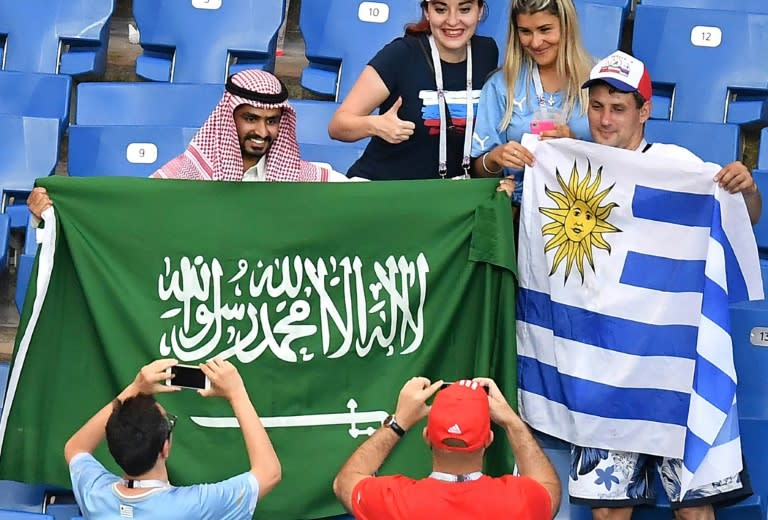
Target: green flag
x=327 y=297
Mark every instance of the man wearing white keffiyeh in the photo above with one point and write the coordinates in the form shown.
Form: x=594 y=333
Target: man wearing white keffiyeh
x=252 y=127
x=249 y=136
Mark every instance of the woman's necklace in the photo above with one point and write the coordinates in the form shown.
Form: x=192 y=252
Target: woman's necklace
x=540 y=94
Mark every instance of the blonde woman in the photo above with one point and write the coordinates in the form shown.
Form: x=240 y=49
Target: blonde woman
x=537 y=90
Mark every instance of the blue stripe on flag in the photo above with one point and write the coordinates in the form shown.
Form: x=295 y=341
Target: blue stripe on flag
x=685 y=209
x=663 y=274
x=617 y=334
x=692 y=209
x=714 y=305
x=695 y=451
x=713 y=385
x=737 y=286
x=730 y=429
x=588 y=397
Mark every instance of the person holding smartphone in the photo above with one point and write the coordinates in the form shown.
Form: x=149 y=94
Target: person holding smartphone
x=458 y=432
x=138 y=432
x=537 y=90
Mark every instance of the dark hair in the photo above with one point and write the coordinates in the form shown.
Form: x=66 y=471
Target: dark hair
x=136 y=432
x=422 y=26
x=639 y=100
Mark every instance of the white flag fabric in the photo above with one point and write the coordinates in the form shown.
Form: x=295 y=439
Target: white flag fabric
x=627 y=265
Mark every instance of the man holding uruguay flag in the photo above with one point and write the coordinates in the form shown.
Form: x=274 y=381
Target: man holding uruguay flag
x=627 y=266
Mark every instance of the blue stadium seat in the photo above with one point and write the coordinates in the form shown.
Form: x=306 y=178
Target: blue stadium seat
x=4 y=371
x=719 y=143
x=312 y=134
x=601 y=24
x=30 y=150
x=749 y=6
x=55 y=36
x=105 y=103
x=131 y=129
x=329 y=25
x=203 y=41
x=19 y=515
x=36 y=95
x=706 y=65
x=24 y=266
x=5 y=233
x=62 y=511
x=762 y=153
x=17 y=496
x=749 y=326
x=761 y=228
x=124 y=150
x=761 y=178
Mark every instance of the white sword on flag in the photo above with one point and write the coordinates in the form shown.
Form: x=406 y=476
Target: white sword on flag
x=353 y=418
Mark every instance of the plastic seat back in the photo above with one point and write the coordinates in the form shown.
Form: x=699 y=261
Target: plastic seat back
x=203 y=41
x=20 y=515
x=746 y=6
x=132 y=129
x=341 y=37
x=760 y=175
x=104 y=103
x=719 y=143
x=30 y=150
x=699 y=59
x=35 y=95
x=55 y=36
x=124 y=150
x=312 y=134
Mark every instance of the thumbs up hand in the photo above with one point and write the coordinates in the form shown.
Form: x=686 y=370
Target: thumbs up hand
x=393 y=129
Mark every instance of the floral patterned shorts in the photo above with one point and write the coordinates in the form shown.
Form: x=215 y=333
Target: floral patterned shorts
x=606 y=478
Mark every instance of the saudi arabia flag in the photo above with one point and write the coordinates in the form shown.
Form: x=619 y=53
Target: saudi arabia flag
x=326 y=297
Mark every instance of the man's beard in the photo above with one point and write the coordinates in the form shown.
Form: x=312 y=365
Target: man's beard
x=268 y=140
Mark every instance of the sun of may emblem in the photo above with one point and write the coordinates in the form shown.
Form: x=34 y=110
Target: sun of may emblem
x=579 y=221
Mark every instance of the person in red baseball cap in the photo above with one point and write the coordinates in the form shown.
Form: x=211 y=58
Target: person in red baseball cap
x=458 y=431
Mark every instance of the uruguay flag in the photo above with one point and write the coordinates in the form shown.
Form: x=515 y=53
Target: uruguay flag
x=627 y=265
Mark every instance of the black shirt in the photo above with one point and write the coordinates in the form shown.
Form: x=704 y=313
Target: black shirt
x=405 y=66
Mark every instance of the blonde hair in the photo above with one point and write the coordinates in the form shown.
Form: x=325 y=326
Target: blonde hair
x=573 y=60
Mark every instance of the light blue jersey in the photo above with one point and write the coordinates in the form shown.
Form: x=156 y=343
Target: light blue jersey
x=493 y=102
x=96 y=493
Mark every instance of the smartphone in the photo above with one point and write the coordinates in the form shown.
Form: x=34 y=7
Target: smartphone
x=449 y=383
x=541 y=125
x=188 y=376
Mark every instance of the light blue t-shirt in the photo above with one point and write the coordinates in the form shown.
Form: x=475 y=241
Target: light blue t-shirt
x=493 y=102
x=96 y=493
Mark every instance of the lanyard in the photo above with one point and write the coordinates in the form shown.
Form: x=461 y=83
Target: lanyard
x=540 y=89
x=448 y=477
x=443 y=161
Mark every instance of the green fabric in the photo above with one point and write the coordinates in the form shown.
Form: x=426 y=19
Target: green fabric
x=113 y=302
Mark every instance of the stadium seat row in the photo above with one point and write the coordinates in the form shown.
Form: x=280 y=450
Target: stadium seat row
x=716 y=44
